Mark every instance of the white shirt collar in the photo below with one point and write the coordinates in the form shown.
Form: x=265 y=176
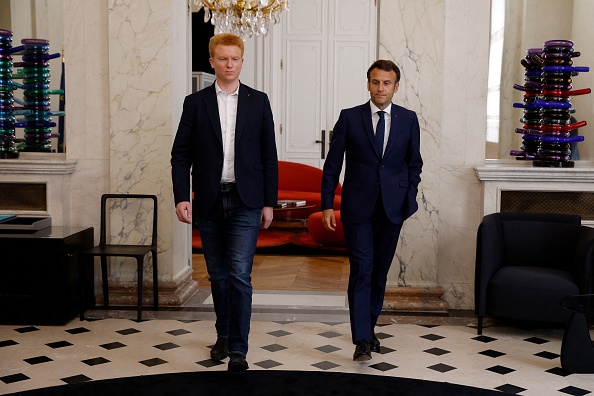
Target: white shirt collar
x=219 y=90
x=375 y=109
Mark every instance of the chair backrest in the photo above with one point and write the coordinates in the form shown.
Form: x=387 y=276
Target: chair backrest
x=538 y=239
x=134 y=211
x=293 y=176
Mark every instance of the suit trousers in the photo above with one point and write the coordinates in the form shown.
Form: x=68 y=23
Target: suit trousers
x=371 y=246
x=229 y=235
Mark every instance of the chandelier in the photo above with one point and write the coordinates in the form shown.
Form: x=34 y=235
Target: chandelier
x=244 y=18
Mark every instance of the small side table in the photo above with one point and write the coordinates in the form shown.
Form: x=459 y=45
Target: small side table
x=577 y=349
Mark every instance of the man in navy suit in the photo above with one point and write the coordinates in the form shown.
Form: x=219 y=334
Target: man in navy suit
x=226 y=138
x=380 y=142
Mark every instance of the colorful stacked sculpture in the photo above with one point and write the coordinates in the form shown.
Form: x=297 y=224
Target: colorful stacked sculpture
x=7 y=136
x=35 y=73
x=547 y=115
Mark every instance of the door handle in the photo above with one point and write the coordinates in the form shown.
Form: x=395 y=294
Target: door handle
x=323 y=141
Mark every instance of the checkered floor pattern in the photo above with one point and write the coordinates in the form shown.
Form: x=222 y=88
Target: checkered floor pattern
x=512 y=360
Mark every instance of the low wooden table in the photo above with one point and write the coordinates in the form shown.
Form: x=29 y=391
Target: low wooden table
x=289 y=221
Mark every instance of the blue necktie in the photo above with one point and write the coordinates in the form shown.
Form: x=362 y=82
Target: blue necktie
x=380 y=130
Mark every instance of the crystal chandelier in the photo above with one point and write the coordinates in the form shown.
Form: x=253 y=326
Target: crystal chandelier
x=242 y=17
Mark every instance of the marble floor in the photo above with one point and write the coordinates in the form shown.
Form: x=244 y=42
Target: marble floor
x=291 y=330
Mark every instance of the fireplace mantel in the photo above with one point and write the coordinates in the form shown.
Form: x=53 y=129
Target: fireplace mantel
x=501 y=176
x=53 y=171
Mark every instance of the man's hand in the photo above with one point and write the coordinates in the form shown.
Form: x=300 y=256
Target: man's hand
x=266 y=219
x=328 y=219
x=183 y=210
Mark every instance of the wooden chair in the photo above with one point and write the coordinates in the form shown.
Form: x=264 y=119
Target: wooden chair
x=139 y=251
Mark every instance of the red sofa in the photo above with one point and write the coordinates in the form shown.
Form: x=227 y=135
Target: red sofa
x=302 y=182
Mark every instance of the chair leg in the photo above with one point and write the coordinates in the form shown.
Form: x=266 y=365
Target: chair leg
x=480 y=325
x=140 y=279
x=81 y=284
x=155 y=282
x=105 y=281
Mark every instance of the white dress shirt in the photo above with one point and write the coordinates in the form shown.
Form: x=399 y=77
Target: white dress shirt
x=387 y=119
x=228 y=116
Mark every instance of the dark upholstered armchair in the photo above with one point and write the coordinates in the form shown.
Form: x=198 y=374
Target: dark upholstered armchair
x=526 y=262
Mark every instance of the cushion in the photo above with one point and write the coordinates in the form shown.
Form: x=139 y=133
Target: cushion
x=543 y=244
x=533 y=293
x=323 y=236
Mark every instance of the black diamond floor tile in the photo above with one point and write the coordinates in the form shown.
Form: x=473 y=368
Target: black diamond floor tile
x=436 y=351
x=209 y=363
x=27 y=329
x=152 y=362
x=38 y=360
x=325 y=365
x=95 y=361
x=484 y=338
x=128 y=331
x=59 y=344
x=7 y=343
x=279 y=333
x=432 y=337
x=274 y=347
x=268 y=364
x=492 y=353
x=442 y=368
x=166 y=346
x=558 y=371
x=385 y=350
x=536 y=340
x=112 y=345
x=501 y=370
x=547 y=355
x=178 y=332
x=572 y=390
x=9 y=379
x=383 y=336
x=383 y=366
x=76 y=379
x=509 y=388
x=78 y=330
x=328 y=348
x=330 y=334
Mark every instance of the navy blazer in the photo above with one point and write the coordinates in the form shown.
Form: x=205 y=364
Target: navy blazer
x=398 y=172
x=199 y=144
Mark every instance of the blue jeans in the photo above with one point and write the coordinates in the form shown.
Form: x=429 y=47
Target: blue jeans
x=229 y=233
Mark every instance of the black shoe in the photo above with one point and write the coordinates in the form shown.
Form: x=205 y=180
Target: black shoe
x=220 y=350
x=237 y=363
x=362 y=351
x=375 y=344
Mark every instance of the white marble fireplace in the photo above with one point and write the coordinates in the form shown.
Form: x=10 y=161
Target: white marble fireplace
x=502 y=178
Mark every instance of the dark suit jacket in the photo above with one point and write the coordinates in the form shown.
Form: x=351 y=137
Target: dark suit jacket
x=398 y=171
x=199 y=144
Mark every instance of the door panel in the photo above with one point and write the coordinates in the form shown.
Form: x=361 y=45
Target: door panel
x=327 y=47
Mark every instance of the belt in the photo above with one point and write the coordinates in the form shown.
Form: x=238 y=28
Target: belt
x=227 y=187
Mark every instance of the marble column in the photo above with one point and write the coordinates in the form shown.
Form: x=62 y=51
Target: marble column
x=442 y=50
x=127 y=75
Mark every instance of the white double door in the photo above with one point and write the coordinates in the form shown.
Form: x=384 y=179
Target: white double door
x=325 y=50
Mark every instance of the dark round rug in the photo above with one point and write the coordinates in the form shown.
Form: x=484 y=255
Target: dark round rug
x=262 y=382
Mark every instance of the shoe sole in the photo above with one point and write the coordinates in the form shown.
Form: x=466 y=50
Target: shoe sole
x=362 y=358
x=376 y=350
